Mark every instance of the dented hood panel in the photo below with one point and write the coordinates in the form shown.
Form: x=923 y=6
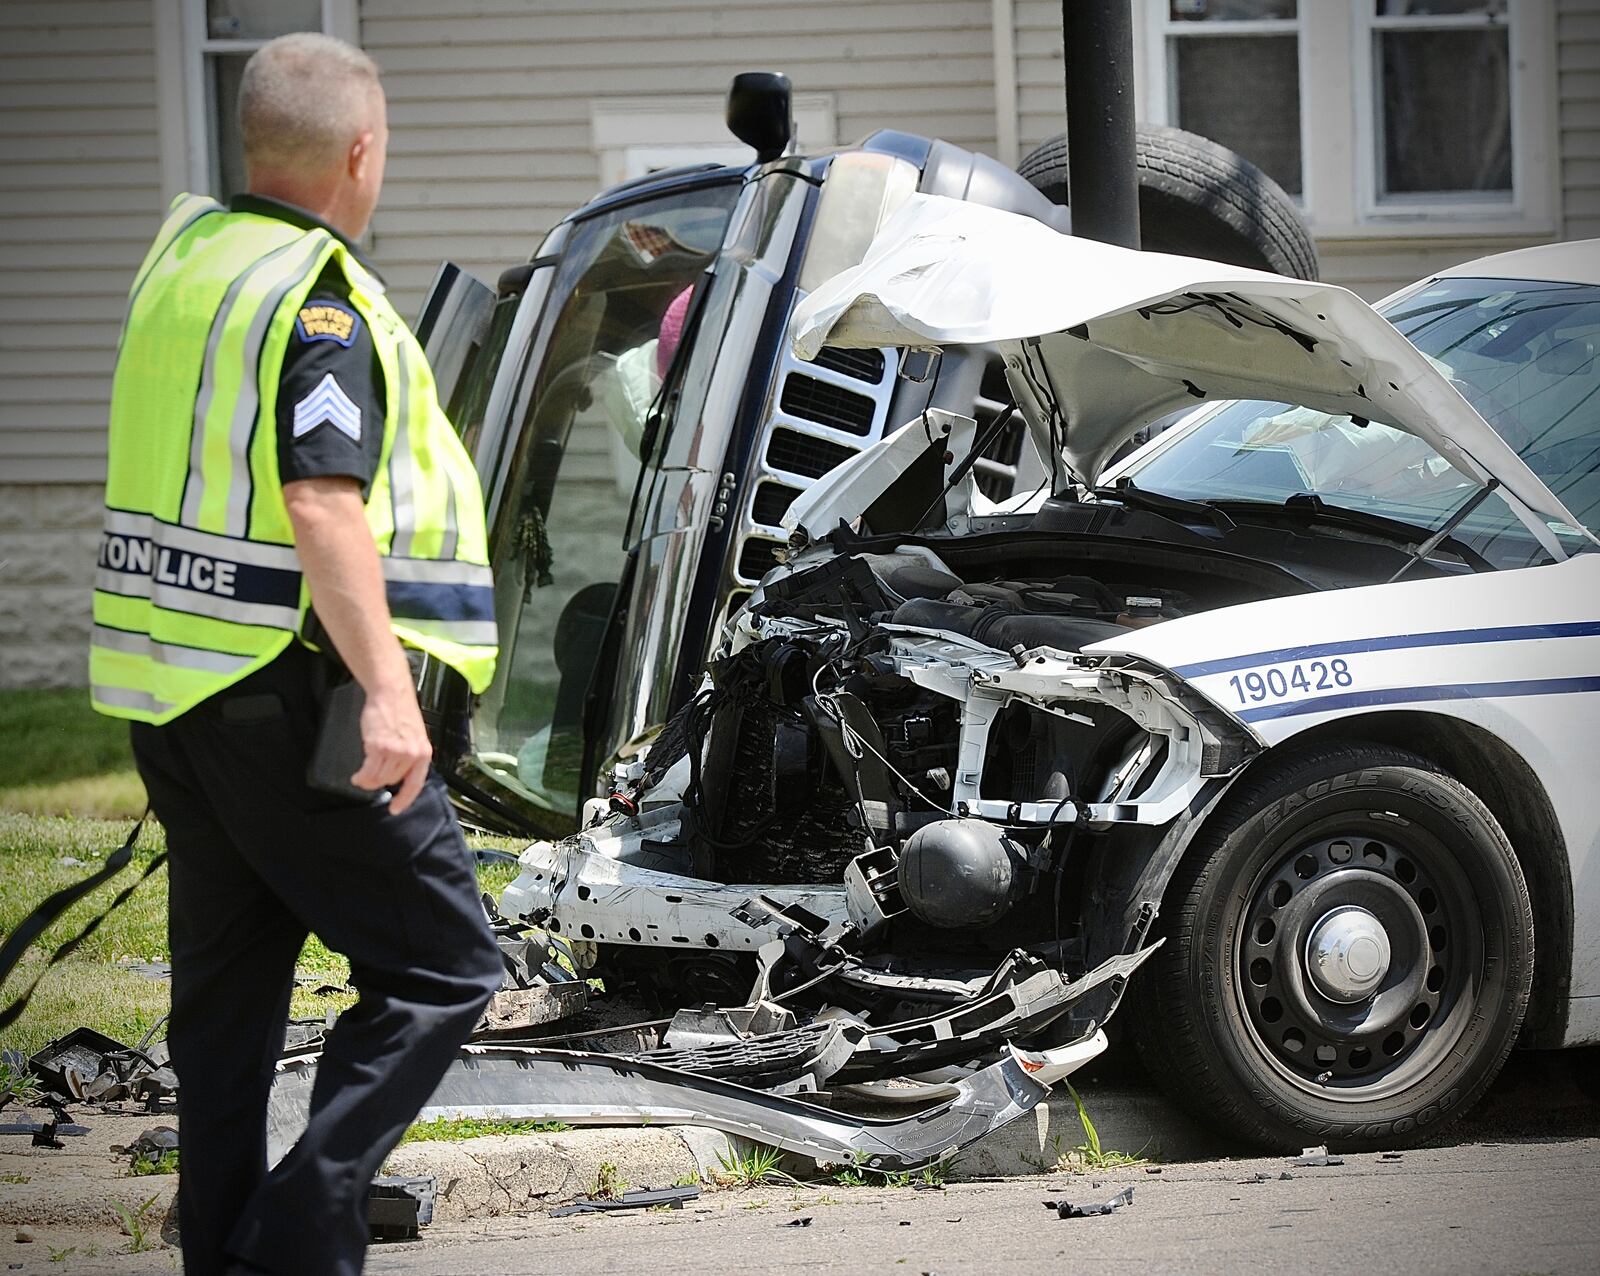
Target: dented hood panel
x=1112 y=339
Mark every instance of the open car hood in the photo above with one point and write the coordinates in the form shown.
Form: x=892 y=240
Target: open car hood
x=1099 y=341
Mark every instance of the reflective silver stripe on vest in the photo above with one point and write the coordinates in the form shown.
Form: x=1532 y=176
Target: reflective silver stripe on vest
x=248 y=406
x=440 y=571
x=479 y=633
x=194 y=486
x=186 y=570
x=249 y=391
x=194 y=208
x=125 y=698
x=447 y=546
x=194 y=603
x=240 y=613
x=192 y=539
x=401 y=480
x=167 y=653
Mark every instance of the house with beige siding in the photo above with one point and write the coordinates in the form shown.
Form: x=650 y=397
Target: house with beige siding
x=1414 y=133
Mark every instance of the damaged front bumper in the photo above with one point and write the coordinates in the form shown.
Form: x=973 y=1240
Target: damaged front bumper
x=520 y=1083
x=715 y=1082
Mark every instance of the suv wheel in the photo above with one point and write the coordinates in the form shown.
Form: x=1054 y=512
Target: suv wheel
x=1349 y=954
x=1200 y=199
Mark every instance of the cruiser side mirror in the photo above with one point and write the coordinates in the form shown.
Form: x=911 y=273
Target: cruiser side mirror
x=759 y=112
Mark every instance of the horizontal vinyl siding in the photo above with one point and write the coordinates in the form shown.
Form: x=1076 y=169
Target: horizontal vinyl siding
x=1373 y=268
x=1041 y=75
x=1578 y=72
x=489 y=100
x=79 y=202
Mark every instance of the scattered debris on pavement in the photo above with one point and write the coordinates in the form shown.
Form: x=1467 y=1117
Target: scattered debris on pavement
x=399 y=1205
x=393 y=1213
x=151 y=1146
x=1317 y=1156
x=1072 y=1209
x=639 y=1198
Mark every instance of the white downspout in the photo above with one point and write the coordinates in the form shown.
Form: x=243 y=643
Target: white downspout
x=1003 y=23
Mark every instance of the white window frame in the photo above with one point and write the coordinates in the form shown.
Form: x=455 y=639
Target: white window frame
x=1364 y=59
x=1339 y=147
x=1161 y=72
x=185 y=110
x=634 y=136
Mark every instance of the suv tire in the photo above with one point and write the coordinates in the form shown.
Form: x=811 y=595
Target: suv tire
x=1349 y=954
x=1199 y=199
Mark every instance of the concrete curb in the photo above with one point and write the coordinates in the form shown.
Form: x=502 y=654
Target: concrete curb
x=77 y=1189
x=518 y=1173
x=514 y=1174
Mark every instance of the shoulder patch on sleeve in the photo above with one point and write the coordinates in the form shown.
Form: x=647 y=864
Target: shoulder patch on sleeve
x=328 y=404
x=327 y=321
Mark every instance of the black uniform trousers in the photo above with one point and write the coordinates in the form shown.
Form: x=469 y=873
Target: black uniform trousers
x=258 y=860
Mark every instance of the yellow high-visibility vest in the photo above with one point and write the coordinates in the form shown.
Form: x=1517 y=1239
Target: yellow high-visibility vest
x=198 y=582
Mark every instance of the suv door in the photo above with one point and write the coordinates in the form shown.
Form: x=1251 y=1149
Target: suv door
x=478 y=340
x=574 y=413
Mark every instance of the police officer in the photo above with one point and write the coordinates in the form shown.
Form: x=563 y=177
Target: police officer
x=281 y=477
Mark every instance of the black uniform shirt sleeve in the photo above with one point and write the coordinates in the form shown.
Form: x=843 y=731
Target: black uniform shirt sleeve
x=330 y=392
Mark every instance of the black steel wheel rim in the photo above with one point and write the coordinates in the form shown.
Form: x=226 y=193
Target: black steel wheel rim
x=1359 y=955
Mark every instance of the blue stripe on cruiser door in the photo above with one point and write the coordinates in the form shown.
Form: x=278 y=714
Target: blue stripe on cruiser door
x=1419 y=695
x=1392 y=642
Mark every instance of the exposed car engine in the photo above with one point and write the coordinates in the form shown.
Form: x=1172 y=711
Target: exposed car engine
x=937 y=744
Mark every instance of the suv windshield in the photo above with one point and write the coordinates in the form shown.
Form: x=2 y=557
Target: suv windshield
x=1523 y=353
x=620 y=299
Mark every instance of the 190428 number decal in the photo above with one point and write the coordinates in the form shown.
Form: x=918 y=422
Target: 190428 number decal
x=1283 y=680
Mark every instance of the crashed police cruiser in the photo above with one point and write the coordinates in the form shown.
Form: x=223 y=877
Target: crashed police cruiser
x=1294 y=706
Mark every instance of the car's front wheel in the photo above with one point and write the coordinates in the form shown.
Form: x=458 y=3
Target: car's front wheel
x=1349 y=954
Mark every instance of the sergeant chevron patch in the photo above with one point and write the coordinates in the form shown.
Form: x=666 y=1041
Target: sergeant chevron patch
x=328 y=404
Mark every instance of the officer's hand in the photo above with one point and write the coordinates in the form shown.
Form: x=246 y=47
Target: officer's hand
x=396 y=743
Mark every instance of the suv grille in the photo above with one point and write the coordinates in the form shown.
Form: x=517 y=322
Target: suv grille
x=756 y=558
x=827 y=404
x=800 y=454
x=772 y=503
x=863 y=365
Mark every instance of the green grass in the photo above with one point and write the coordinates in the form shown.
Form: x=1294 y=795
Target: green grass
x=17 y=1084
x=609 y=1183
x=59 y=757
x=445 y=1130
x=858 y=1174
x=137 y=1223
x=145 y=1165
x=759 y=1164
x=68 y=790
x=1089 y=1155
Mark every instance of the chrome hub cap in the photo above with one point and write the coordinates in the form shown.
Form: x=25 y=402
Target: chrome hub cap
x=1347 y=954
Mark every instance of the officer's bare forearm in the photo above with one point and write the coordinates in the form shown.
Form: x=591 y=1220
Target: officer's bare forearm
x=342 y=569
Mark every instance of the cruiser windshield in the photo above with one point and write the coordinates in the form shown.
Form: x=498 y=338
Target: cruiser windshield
x=1526 y=355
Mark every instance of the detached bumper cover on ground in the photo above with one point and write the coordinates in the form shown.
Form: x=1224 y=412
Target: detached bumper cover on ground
x=592 y=1089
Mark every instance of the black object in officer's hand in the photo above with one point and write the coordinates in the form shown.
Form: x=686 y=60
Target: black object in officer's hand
x=338 y=752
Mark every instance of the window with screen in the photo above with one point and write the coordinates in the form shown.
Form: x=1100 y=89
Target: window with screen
x=1233 y=75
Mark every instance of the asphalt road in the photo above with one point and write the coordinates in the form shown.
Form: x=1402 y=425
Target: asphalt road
x=1512 y=1188
x=1527 y=1207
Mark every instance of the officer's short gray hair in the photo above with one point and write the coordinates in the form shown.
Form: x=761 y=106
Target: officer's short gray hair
x=303 y=100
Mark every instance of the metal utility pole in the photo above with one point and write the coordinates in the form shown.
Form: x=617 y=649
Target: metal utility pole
x=1102 y=177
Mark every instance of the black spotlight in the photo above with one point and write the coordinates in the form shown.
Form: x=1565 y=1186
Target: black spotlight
x=759 y=112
